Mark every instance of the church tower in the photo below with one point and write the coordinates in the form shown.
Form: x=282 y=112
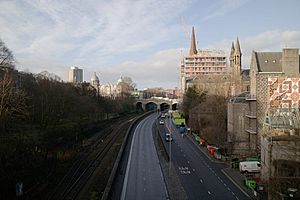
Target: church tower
x=231 y=58
x=237 y=59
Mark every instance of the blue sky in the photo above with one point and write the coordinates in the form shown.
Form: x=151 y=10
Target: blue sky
x=142 y=39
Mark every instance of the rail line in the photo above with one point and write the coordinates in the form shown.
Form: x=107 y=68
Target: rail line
x=82 y=169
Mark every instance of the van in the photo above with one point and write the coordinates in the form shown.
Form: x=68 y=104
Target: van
x=250 y=166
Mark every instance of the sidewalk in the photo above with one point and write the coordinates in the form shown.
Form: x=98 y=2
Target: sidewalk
x=233 y=175
x=238 y=180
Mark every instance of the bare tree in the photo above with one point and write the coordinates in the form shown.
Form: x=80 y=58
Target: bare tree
x=6 y=57
x=126 y=86
x=12 y=101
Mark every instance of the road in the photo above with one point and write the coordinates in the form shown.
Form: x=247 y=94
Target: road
x=144 y=178
x=200 y=177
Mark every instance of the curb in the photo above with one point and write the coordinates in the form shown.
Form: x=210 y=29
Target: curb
x=236 y=184
x=209 y=157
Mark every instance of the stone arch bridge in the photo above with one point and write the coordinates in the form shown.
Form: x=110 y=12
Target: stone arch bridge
x=157 y=103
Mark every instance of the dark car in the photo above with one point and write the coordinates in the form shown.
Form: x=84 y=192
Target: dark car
x=169 y=137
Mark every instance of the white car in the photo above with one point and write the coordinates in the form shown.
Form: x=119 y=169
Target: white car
x=161 y=122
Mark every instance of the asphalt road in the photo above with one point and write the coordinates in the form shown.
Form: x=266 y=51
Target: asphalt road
x=143 y=177
x=200 y=177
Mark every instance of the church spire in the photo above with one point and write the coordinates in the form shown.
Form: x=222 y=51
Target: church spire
x=232 y=50
x=237 y=47
x=193 y=47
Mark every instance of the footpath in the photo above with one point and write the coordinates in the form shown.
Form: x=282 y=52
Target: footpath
x=232 y=174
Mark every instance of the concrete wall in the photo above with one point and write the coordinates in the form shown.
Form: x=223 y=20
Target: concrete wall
x=237 y=135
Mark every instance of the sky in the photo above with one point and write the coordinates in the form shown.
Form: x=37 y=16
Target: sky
x=141 y=39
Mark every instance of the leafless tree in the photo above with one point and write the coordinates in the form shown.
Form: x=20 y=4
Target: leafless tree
x=12 y=101
x=6 y=57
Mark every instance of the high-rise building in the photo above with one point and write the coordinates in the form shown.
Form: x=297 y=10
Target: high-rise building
x=201 y=62
x=75 y=75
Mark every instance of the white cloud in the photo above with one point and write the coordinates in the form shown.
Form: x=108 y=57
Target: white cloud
x=116 y=37
x=94 y=33
x=160 y=69
x=265 y=41
x=222 y=7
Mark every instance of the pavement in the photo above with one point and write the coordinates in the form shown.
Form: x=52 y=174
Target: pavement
x=232 y=174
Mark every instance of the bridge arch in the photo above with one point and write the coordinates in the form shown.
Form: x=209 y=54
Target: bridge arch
x=139 y=105
x=174 y=106
x=151 y=105
x=164 y=106
x=157 y=103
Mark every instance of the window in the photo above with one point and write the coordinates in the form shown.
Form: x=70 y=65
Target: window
x=258 y=164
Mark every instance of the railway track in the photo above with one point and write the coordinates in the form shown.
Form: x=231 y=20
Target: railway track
x=83 y=168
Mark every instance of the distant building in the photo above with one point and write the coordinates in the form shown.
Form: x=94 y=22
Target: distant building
x=75 y=75
x=95 y=80
x=267 y=119
x=200 y=63
x=110 y=90
x=249 y=114
x=208 y=70
x=172 y=93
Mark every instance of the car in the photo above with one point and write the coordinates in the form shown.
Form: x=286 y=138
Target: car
x=161 y=122
x=169 y=137
x=163 y=116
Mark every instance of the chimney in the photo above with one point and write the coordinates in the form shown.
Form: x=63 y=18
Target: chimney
x=290 y=61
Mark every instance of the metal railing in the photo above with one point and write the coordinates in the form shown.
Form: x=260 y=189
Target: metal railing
x=251 y=114
x=251 y=97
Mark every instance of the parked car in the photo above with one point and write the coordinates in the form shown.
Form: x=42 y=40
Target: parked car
x=250 y=166
x=169 y=137
x=161 y=122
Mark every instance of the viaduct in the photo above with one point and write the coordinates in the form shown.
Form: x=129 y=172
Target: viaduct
x=157 y=103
